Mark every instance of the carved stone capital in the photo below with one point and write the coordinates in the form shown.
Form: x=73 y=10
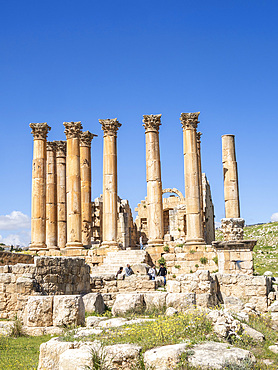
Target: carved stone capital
x=151 y=122
x=232 y=228
x=72 y=129
x=61 y=148
x=86 y=138
x=110 y=126
x=51 y=146
x=199 y=134
x=189 y=120
x=40 y=130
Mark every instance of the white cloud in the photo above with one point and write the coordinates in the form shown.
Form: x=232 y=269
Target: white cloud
x=14 y=221
x=217 y=224
x=274 y=217
x=22 y=239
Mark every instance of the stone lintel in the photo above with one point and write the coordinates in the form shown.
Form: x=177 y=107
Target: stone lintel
x=110 y=126
x=86 y=138
x=189 y=120
x=61 y=148
x=151 y=122
x=40 y=130
x=72 y=129
x=234 y=245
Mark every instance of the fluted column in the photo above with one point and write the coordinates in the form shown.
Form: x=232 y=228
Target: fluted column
x=199 y=134
x=194 y=222
x=110 y=192
x=38 y=211
x=51 y=196
x=86 y=181
x=231 y=193
x=74 y=235
x=154 y=184
x=61 y=150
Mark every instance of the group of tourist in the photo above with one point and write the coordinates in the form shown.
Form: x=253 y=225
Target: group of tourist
x=151 y=272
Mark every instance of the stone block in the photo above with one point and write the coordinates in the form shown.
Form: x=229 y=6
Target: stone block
x=173 y=286
x=50 y=353
x=155 y=300
x=93 y=302
x=68 y=310
x=181 y=301
x=124 y=303
x=38 y=311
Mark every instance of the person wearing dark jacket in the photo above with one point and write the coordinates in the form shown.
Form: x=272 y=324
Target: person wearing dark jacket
x=162 y=272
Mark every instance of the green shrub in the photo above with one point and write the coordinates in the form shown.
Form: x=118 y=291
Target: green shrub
x=192 y=251
x=166 y=248
x=215 y=260
x=179 y=245
x=197 y=266
x=162 y=261
x=177 y=266
x=203 y=260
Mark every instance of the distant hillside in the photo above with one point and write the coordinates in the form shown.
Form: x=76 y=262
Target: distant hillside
x=266 y=249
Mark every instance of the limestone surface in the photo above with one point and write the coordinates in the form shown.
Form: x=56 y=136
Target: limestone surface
x=124 y=303
x=68 y=310
x=164 y=358
x=39 y=311
x=93 y=302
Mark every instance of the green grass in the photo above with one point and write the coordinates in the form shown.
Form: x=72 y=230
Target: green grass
x=20 y=353
x=266 y=250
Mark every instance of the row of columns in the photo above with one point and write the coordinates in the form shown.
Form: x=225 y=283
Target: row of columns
x=61 y=189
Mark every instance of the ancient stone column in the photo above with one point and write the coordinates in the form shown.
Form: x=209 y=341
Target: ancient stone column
x=74 y=235
x=231 y=193
x=61 y=150
x=86 y=181
x=194 y=222
x=199 y=134
x=39 y=131
x=154 y=184
x=110 y=193
x=51 y=196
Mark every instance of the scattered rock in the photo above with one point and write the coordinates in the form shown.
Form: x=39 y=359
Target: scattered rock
x=273 y=307
x=254 y=334
x=38 y=311
x=164 y=358
x=92 y=321
x=273 y=348
x=68 y=310
x=181 y=301
x=155 y=300
x=171 y=311
x=85 y=332
x=214 y=355
x=50 y=353
x=93 y=302
x=6 y=328
x=132 y=302
x=112 y=323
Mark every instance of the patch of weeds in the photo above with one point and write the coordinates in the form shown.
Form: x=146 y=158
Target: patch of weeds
x=166 y=248
x=246 y=364
x=100 y=360
x=179 y=245
x=162 y=261
x=16 y=329
x=203 y=260
x=174 y=276
x=177 y=266
x=192 y=251
x=197 y=266
x=191 y=272
x=215 y=260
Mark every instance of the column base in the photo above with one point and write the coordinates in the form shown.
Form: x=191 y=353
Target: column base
x=74 y=245
x=197 y=241
x=53 y=248
x=155 y=242
x=110 y=244
x=35 y=247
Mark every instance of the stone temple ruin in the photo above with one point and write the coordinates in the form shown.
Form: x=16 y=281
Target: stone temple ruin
x=78 y=244
x=66 y=222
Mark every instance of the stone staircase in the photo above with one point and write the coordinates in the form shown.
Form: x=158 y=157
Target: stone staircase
x=114 y=260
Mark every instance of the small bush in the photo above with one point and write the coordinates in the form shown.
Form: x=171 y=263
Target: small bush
x=177 y=266
x=191 y=272
x=166 y=248
x=203 y=260
x=215 y=260
x=197 y=266
x=174 y=276
x=192 y=251
x=179 y=245
x=162 y=261
x=17 y=330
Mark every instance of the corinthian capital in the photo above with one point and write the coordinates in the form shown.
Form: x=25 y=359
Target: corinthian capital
x=199 y=134
x=110 y=126
x=51 y=146
x=61 y=148
x=40 y=130
x=86 y=138
x=189 y=120
x=72 y=129
x=152 y=122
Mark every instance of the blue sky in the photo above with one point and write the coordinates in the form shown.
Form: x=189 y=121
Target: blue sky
x=85 y=60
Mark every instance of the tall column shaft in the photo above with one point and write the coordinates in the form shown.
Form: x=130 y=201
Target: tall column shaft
x=194 y=222
x=74 y=235
x=231 y=193
x=61 y=193
x=51 y=196
x=154 y=184
x=110 y=191
x=199 y=134
x=38 y=208
x=86 y=187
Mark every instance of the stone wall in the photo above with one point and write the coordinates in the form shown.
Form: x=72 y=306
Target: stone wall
x=9 y=258
x=47 y=276
x=213 y=289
